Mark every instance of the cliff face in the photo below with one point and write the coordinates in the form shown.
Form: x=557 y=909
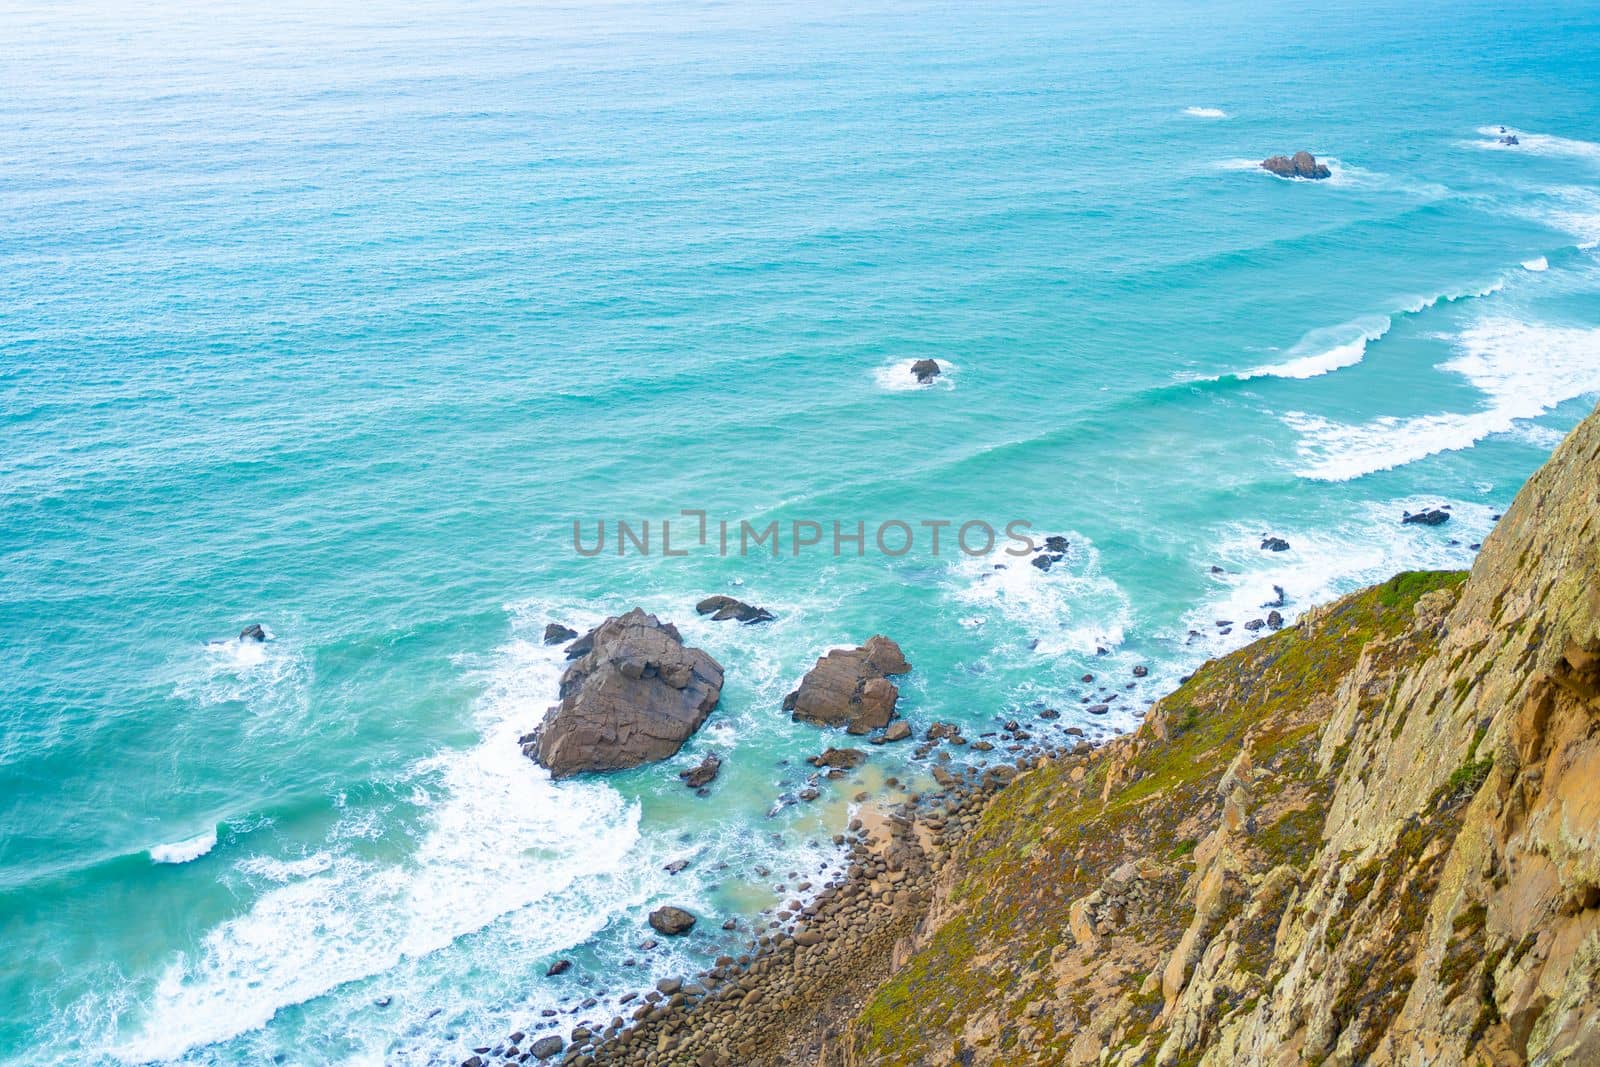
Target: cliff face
x=1370 y=838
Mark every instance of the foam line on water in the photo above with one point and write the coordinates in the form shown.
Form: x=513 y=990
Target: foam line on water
x=186 y=850
x=1205 y=112
x=1324 y=564
x=1523 y=370
x=1325 y=351
x=1537 y=265
x=1544 y=144
x=498 y=837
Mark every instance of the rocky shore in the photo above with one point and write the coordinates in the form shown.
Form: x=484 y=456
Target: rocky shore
x=1369 y=837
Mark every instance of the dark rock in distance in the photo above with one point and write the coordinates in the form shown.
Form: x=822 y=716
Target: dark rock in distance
x=671 y=922
x=1141 y=671
x=634 y=696
x=1300 y=165
x=558 y=967
x=555 y=633
x=926 y=370
x=1274 y=544
x=1431 y=517
x=722 y=608
x=253 y=632
x=1274 y=620
x=1510 y=139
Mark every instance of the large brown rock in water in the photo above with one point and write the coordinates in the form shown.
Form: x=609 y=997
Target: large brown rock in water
x=850 y=687
x=1301 y=165
x=633 y=696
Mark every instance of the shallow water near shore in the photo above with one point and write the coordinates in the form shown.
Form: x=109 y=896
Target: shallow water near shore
x=336 y=320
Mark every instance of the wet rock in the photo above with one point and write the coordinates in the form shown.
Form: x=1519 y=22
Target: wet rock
x=555 y=633
x=926 y=370
x=1255 y=624
x=558 y=967
x=1300 y=165
x=1274 y=620
x=850 y=688
x=635 y=696
x=1431 y=517
x=1279 y=599
x=702 y=774
x=671 y=921
x=1510 y=139
x=546 y=1047
x=897 y=731
x=722 y=608
x=676 y=867
x=1141 y=671
x=253 y=632
x=847 y=758
x=1098 y=709
x=1274 y=544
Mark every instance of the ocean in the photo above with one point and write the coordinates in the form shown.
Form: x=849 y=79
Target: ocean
x=336 y=317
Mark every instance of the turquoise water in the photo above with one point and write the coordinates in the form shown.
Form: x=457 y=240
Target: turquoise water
x=337 y=320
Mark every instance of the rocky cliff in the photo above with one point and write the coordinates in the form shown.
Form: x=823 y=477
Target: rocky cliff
x=1370 y=838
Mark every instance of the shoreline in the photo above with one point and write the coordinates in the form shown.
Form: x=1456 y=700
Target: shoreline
x=778 y=1002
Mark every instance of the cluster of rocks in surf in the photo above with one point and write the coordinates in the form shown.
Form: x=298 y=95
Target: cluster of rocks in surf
x=1300 y=165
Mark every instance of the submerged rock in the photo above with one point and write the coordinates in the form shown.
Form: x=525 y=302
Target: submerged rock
x=851 y=687
x=1300 y=165
x=847 y=758
x=926 y=370
x=722 y=608
x=1510 y=139
x=555 y=633
x=634 y=695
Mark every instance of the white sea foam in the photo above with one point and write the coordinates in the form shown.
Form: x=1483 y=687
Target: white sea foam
x=1537 y=143
x=1523 y=369
x=1324 y=351
x=1423 y=303
x=272 y=679
x=1206 y=112
x=1322 y=564
x=896 y=377
x=185 y=851
x=500 y=842
x=1072 y=609
x=1537 y=264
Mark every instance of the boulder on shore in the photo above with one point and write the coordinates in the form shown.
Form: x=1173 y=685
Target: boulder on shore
x=850 y=687
x=926 y=370
x=555 y=633
x=1300 y=165
x=671 y=922
x=722 y=608
x=634 y=694
x=253 y=632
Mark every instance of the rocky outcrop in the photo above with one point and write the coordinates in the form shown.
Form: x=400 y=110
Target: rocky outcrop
x=671 y=922
x=703 y=773
x=1300 y=165
x=253 y=632
x=1381 y=829
x=925 y=371
x=721 y=608
x=1274 y=544
x=851 y=688
x=634 y=694
x=1430 y=517
x=555 y=633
